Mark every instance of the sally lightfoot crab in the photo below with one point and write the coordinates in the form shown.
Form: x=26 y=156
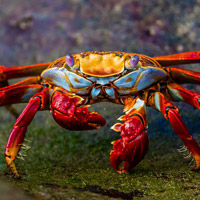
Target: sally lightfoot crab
x=68 y=85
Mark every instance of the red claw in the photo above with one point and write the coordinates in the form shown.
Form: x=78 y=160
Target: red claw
x=133 y=146
x=68 y=115
x=81 y=119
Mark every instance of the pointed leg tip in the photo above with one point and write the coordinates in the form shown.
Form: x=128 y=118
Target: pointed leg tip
x=12 y=167
x=17 y=176
x=122 y=171
x=196 y=167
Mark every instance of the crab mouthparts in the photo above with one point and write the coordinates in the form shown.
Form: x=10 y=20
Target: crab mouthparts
x=103 y=92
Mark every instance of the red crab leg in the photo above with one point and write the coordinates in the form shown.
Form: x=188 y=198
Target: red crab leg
x=16 y=72
x=37 y=102
x=184 y=75
x=170 y=112
x=180 y=58
x=67 y=113
x=179 y=93
x=18 y=94
x=133 y=145
x=22 y=71
x=28 y=81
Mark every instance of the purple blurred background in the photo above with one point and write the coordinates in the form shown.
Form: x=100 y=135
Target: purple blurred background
x=39 y=31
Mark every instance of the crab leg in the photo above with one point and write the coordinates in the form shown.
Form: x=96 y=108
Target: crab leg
x=133 y=145
x=28 y=81
x=22 y=71
x=179 y=93
x=37 y=102
x=68 y=114
x=170 y=112
x=184 y=75
x=15 y=72
x=18 y=94
x=15 y=94
x=180 y=58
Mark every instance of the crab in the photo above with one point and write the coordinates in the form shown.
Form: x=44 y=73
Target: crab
x=68 y=85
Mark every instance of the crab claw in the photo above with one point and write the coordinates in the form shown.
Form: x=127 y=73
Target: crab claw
x=68 y=115
x=81 y=119
x=133 y=146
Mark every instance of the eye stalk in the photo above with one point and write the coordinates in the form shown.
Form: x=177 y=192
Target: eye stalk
x=72 y=62
x=69 y=60
x=134 y=61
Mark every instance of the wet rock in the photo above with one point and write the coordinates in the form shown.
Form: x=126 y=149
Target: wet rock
x=9 y=192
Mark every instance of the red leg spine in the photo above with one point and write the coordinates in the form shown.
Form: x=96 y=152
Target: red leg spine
x=170 y=112
x=67 y=113
x=18 y=132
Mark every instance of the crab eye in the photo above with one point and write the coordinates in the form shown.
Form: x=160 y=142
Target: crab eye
x=69 y=60
x=134 y=61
